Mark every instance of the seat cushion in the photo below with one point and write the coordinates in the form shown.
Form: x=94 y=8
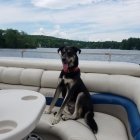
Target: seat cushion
x=110 y=128
x=9 y=86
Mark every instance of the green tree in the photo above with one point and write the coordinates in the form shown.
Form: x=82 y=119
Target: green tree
x=10 y=38
x=2 y=41
x=14 y=39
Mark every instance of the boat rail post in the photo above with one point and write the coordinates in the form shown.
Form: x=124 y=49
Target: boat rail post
x=22 y=52
x=109 y=56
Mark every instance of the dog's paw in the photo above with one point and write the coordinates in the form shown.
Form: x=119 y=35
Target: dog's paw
x=56 y=120
x=47 y=112
x=54 y=113
x=65 y=117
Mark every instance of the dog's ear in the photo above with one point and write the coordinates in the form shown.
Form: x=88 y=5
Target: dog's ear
x=60 y=49
x=76 y=49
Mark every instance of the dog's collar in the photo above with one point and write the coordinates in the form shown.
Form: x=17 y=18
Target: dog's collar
x=70 y=73
x=68 y=70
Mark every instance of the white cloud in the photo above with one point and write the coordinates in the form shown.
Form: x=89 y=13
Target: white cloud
x=119 y=36
x=17 y=14
x=76 y=34
x=61 y=4
x=56 y=32
x=77 y=19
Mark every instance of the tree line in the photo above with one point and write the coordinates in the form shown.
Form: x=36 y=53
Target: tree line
x=15 y=39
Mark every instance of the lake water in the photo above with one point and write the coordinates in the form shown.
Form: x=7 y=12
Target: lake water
x=86 y=54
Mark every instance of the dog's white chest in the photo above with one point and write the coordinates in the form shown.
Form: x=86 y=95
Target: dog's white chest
x=68 y=81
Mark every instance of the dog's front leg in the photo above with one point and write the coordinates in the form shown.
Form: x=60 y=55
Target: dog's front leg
x=66 y=99
x=56 y=95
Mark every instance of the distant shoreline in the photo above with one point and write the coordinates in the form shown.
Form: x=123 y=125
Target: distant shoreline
x=14 y=39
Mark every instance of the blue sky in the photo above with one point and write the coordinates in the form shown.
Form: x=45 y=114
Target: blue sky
x=87 y=20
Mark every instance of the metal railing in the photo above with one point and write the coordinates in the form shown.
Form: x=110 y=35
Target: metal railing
x=106 y=55
x=29 y=51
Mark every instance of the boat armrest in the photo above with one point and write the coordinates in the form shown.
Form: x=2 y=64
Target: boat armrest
x=137 y=137
x=129 y=105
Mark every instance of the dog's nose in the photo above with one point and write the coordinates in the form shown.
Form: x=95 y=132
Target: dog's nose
x=63 y=59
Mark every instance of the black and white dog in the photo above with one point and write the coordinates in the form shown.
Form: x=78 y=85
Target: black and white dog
x=77 y=99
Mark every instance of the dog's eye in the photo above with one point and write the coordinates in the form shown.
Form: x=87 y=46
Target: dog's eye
x=62 y=53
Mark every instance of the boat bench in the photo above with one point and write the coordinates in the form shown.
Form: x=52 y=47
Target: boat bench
x=114 y=88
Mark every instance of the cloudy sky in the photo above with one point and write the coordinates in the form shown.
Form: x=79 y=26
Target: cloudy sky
x=87 y=20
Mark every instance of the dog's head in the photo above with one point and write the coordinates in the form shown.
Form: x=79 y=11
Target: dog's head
x=69 y=56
